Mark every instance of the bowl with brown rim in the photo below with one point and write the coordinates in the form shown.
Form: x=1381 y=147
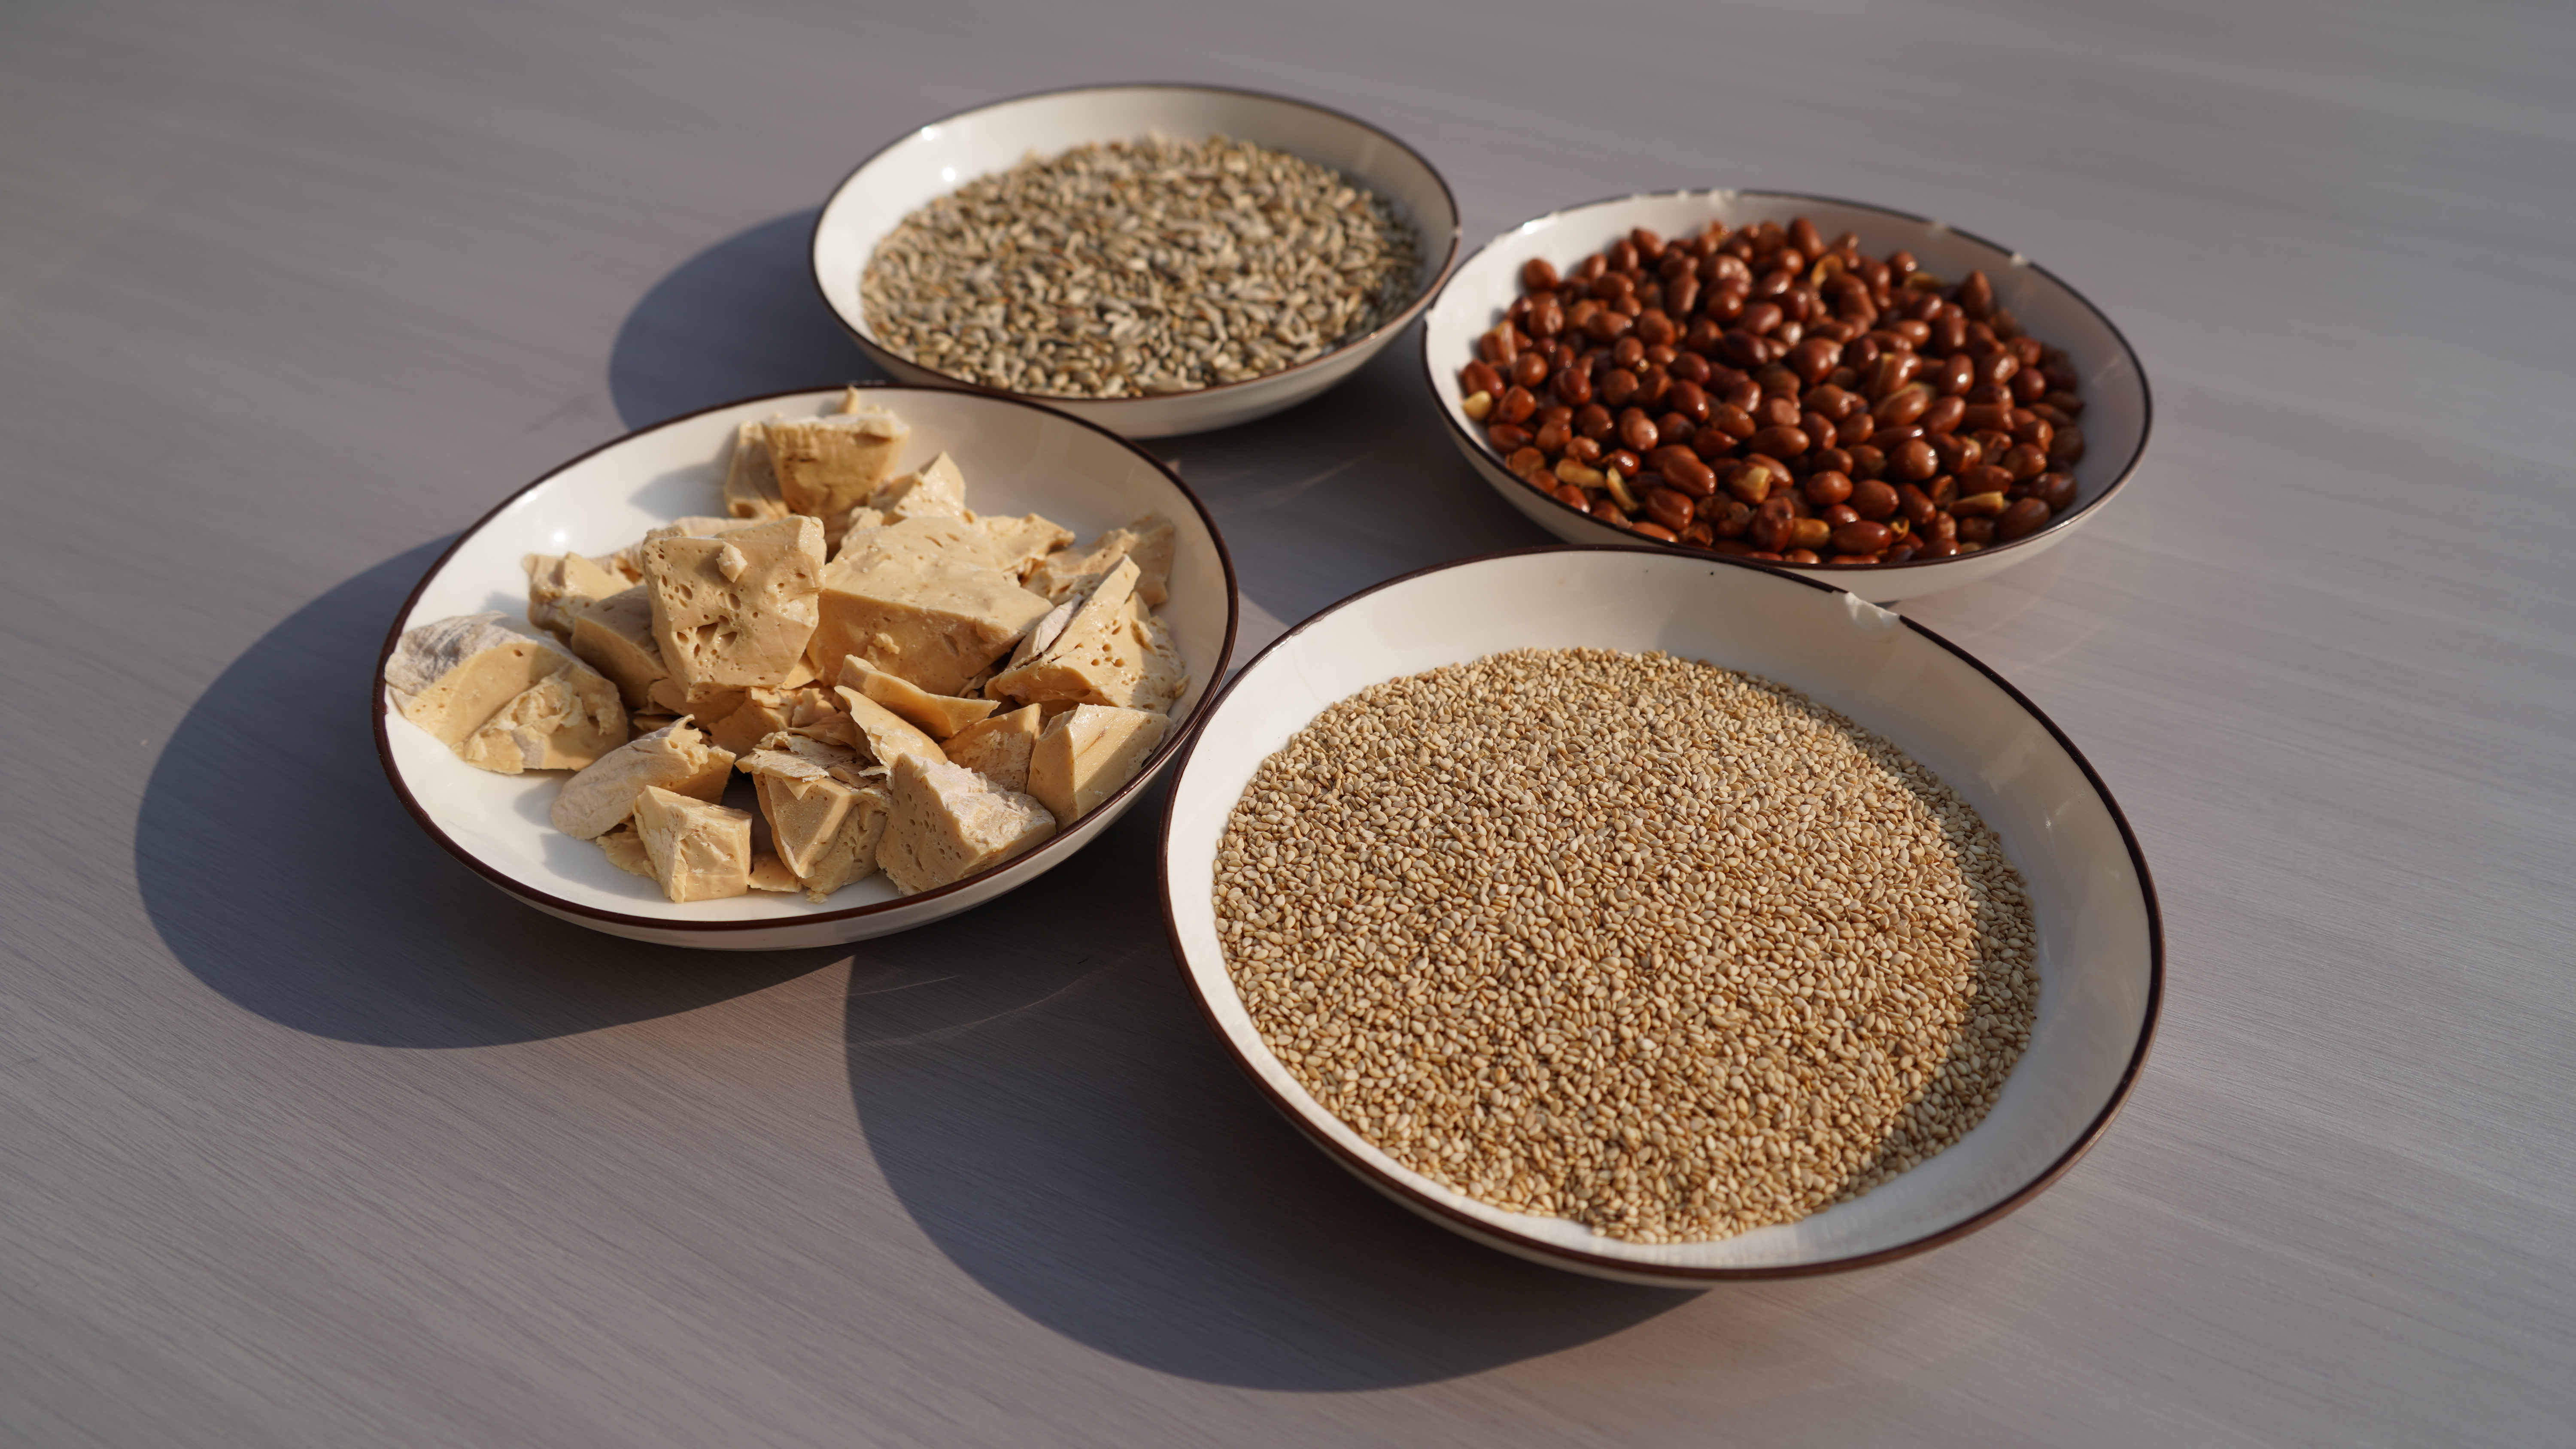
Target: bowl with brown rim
x=2118 y=407
x=1016 y=458
x=2099 y=935
x=934 y=159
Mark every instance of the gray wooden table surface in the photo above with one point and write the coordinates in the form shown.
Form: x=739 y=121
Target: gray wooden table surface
x=310 y=1137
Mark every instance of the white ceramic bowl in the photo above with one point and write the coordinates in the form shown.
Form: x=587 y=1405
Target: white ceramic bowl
x=2100 y=942
x=2118 y=407
x=936 y=159
x=1017 y=458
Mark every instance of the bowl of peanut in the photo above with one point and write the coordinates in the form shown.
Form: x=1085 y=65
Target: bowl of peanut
x=1868 y=397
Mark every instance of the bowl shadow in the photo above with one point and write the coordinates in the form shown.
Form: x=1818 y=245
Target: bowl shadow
x=738 y=319
x=1063 y=1124
x=279 y=867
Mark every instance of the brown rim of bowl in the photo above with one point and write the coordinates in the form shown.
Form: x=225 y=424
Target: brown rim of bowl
x=1572 y=1258
x=1481 y=450
x=1154 y=763
x=1403 y=318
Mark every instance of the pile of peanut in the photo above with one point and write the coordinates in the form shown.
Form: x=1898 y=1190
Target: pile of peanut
x=1769 y=393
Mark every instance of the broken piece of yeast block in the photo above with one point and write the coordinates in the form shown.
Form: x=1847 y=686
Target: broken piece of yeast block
x=625 y=850
x=828 y=465
x=921 y=600
x=452 y=676
x=705 y=702
x=824 y=822
x=1087 y=753
x=949 y=822
x=938 y=715
x=881 y=733
x=1019 y=543
x=562 y=722
x=937 y=489
x=838 y=527
x=676 y=758
x=1112 y=651
x=631 y=557
x=769 y=873
x=614 y=635
x=1149 y=540
x=558 y=583
x=998 y=748
x=1041 y=636
x=947 y=540
x=762 y=713
x=739 y=609
x=700 y=851
x=750 y=481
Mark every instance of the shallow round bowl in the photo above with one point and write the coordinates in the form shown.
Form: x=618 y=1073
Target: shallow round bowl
x=2100 y=956
x=2118 y=407
x=1016 y=457
x=937 y=158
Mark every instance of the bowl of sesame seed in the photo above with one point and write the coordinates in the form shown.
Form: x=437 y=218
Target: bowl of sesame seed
x=1154 y=259
x=1661 y=918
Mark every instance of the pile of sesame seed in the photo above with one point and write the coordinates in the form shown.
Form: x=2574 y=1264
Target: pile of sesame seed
x=1659 y=947
x=1122 y=270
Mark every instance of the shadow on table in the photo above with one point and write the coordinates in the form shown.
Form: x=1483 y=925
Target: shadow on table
x=1064 y=1125
x=738 y=319
x=275 y=860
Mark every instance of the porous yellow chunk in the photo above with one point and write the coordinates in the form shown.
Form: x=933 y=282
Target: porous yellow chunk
x=1111 y=651
x=739 y=609
x=921 y=600
x=935 y=490
x=949 y=822
x=559 y=583
x=1088 y=753
x=998 y=748
x=938 y=715
x=625 y=850
x=700 y=852
x=825 y=819
x=1150 y=541
x=631 y=557
x=1019 y=543
x=885 y=735
x=503 y=700
x=614 y=635
x=828 y=465
x=674 y=758
x=762 y=713
x=751 y=484
x=562 y=722
x=769 y=873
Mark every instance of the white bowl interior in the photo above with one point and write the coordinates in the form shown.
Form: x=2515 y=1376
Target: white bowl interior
x=2097 y=959
x=939 y=157
x=1016 y=459
x=2115 y=392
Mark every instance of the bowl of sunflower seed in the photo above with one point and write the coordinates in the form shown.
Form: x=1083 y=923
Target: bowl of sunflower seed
x=1154 y=259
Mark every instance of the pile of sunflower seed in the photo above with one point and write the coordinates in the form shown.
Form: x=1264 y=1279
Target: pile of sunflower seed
x=1123 y=270
x=1659 y=947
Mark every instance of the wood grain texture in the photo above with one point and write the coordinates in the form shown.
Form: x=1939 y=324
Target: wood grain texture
x=310 y=1137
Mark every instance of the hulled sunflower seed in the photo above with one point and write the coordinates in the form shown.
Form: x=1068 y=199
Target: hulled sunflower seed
x=1127 y=269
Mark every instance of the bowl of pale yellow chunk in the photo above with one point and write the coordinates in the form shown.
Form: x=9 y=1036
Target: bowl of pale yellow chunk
x=807 y=668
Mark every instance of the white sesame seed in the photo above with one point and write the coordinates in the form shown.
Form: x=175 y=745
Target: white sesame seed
x=1673 y=951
